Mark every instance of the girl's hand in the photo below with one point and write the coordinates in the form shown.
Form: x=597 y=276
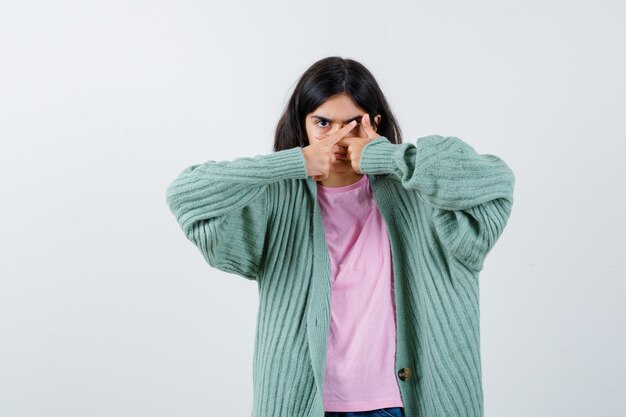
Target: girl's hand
x=319 y=155
x=354 y=145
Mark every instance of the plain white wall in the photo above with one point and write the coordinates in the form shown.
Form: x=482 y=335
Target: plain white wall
x=107 y=310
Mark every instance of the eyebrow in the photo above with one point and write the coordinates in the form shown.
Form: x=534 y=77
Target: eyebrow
x=325 y=119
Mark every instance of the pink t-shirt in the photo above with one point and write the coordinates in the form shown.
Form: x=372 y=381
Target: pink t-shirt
x=360 y=363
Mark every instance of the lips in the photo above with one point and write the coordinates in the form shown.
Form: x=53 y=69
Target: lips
x=340 y=155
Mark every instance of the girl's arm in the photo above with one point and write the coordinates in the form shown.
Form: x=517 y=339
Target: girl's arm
x=472 y=194
x=222 y=207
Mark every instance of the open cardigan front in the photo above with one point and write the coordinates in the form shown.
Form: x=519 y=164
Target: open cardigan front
x=444 y=205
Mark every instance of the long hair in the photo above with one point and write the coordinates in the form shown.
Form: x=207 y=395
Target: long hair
x=324 y=79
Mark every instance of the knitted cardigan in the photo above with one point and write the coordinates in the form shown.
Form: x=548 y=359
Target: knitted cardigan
x=444 y=206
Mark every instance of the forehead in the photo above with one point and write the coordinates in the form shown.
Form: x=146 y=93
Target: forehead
x=339 y=107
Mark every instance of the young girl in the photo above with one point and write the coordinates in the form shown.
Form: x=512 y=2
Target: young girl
x=366 y=252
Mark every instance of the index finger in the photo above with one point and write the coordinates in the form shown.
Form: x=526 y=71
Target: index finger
x=336 y=137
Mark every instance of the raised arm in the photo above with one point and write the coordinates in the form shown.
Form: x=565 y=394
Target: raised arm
x=471 y=193
x=221 y=206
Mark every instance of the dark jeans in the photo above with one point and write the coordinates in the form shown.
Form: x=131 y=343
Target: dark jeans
x=381 y=412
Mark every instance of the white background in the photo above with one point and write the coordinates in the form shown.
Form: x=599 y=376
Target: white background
x=107 y=310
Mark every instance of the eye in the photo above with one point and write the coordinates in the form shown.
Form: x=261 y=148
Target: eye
x=321 y=121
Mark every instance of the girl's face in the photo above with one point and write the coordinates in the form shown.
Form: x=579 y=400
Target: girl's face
x=331 y=116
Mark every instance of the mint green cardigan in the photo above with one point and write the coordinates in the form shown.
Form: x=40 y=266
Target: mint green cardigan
x=444 y=206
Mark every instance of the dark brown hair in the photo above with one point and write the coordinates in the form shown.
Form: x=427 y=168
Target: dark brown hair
x=324 y=79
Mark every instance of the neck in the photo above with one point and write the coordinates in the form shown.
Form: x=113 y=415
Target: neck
x=341 y=179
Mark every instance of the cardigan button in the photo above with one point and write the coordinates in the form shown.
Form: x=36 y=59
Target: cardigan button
x=405 y=373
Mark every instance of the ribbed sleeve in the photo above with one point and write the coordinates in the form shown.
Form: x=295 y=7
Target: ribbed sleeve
x=471 y=193
x=221 y=206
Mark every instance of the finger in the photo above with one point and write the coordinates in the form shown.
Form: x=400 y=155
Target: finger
x=335 y=137
x=347 y=140
x=367 y=127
